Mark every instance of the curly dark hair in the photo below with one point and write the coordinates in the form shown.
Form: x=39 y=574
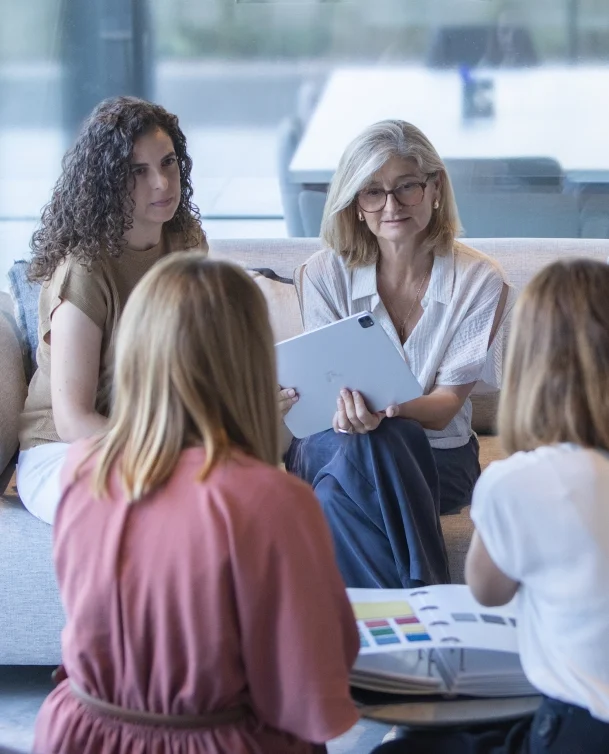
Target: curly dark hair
x=91 y=207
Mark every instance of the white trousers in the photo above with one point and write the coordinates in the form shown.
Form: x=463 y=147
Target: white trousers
x=38 y=471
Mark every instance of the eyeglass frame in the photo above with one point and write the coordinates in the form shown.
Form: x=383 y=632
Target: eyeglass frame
x=422 y=184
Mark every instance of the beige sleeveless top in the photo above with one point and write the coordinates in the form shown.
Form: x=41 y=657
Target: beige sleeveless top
x=101 y=293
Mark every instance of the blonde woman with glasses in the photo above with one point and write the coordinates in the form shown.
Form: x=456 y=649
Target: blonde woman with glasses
x=542 y=517
x=390 y=224
x=205 y=612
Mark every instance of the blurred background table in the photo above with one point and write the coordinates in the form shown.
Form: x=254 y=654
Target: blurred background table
x=553 y=111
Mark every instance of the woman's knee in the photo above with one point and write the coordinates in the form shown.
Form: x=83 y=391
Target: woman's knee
x=404 y=428
x=394 y=434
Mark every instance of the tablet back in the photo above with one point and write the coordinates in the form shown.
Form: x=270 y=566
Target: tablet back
x=355 y=353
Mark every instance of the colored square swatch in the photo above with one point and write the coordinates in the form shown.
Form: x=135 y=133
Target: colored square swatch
x=406 y=619
x=413 y=628
x=464 y=617
x=393 y=639
x=370 y=610
x=382 y=631
x=376 y=623
x=492 y=619
x=418 y=637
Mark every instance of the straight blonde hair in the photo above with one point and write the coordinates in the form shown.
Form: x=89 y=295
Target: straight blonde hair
x=195 y=365
x=364 y=156
x=556 y=386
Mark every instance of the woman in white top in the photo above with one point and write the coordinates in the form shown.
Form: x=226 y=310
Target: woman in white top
x=542 y=515
x=383 y=478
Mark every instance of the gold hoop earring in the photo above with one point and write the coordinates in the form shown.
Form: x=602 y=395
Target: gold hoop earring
x=360 y=217
x=436 y=204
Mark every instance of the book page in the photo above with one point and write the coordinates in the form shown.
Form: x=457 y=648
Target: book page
x=391 y=620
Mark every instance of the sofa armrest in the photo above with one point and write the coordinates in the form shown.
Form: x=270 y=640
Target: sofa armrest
x=13 y=387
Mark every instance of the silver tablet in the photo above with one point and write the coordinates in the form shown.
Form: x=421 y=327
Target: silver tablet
x=355 y=353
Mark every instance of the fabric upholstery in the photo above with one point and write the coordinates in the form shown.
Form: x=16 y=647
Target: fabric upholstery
x=25 y=298
x=458 y=527
x=31 y=616
x=521 y=258
x=282 y=255
x=284 y=311
x=13 y=387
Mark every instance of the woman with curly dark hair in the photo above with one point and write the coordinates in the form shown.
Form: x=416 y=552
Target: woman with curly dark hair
x=123 y=201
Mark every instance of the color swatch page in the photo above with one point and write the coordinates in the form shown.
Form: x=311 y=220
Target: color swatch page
x=391 y=620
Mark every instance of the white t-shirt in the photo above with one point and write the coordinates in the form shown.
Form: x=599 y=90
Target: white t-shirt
x=448 y=345
x=544 y=519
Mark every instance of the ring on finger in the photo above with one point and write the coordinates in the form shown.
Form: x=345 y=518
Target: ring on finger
x=349 y=431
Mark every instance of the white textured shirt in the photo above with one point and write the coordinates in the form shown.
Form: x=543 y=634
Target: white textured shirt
x=543 y=517
x=449 y=343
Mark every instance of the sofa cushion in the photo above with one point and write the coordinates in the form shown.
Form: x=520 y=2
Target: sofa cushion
x=283 y=255
x=484 y=413
x=281 y=299
x=13 y=387
x=458 y=528
x=25 y=297
x=31 y=614
x=522 y=258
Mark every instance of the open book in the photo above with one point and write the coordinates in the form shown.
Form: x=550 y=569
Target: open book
x=436 y=640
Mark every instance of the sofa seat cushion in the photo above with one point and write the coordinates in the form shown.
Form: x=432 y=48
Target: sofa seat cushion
x=490 y=450
x=458 y=527
x=282 y=302
x=30 y=635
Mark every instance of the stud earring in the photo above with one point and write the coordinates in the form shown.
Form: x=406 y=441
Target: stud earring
x=436 y=204
x=360 y=217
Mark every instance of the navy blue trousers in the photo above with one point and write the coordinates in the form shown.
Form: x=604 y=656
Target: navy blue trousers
x=556 y=728
x=380 y=493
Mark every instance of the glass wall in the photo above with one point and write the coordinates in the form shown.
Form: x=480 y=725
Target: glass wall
x=515 y=96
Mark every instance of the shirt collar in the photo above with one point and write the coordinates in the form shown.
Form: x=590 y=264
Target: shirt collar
x=440 y=286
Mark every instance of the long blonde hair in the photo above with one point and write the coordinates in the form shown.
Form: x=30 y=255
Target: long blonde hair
x=363 y=157
x=195 y=365
x=556 y=386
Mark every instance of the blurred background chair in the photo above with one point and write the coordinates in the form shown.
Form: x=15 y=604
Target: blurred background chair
x=288 y=136
x=452 y=46
x=509 y=174
x=307 y=98
x=311 y=203
x=519 y=197
x=505 y=44
x=594 y=211
x=524 y=214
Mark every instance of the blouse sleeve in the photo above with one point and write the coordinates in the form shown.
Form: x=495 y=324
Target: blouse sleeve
x=468 y=357
x=83 y=288
x=321 y=292
x=299 y=638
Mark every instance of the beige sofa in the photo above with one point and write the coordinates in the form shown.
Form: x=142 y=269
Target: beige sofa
x=30 y=612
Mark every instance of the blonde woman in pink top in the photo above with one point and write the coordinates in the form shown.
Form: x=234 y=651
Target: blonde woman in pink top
x=205 y=612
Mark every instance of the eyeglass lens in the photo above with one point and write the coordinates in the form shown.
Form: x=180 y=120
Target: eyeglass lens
x=374 y=199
